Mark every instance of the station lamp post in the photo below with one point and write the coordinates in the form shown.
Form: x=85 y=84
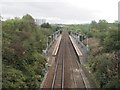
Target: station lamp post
x=89 y=30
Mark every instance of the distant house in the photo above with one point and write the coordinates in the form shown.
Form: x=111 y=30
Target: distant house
x=40 y=21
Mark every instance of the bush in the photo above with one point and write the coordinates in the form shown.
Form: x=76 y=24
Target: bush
x=103 y=69
x=112 y=41
x=13 y=78
x=46 y=25
x=23 y=42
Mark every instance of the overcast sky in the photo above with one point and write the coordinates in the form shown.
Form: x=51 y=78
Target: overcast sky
x=62 y=11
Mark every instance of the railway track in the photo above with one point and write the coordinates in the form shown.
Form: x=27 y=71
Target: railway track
x=78 y=78
x=67 y=70
x=58 y=79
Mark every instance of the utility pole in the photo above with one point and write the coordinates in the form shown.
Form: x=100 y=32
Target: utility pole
x=47 y=41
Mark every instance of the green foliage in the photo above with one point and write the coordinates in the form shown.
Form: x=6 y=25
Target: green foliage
x=104 y=58
x=106 y=63
x=102 y=24
x=46 y=25
x=55 y=28
x=13 y=78
x=94 y=24
x=113 y=84
x=112 y=41
x=103 y=69
x=23 y=42
x=28 y=18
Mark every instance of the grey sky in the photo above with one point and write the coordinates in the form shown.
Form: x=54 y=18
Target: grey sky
x=56 y=11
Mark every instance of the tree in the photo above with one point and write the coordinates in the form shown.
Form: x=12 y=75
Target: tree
x=112 y=41
x=94 y=25
x=46 y=25
x=28 y=18
x=102 y=24
x=23 y=42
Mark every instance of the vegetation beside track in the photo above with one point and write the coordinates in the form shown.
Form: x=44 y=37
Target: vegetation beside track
x=104 y=44
x=23 y=42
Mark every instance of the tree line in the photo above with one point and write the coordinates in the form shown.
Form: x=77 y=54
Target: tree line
x=23 y=42
x=103 y=59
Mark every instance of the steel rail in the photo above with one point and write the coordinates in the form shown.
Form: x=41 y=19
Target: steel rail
x=72 y=70
x=55 y=73
x=63 y=69
x=54 y=78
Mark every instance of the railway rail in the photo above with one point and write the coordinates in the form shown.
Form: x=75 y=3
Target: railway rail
x=58 y=79
x=67 y=70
